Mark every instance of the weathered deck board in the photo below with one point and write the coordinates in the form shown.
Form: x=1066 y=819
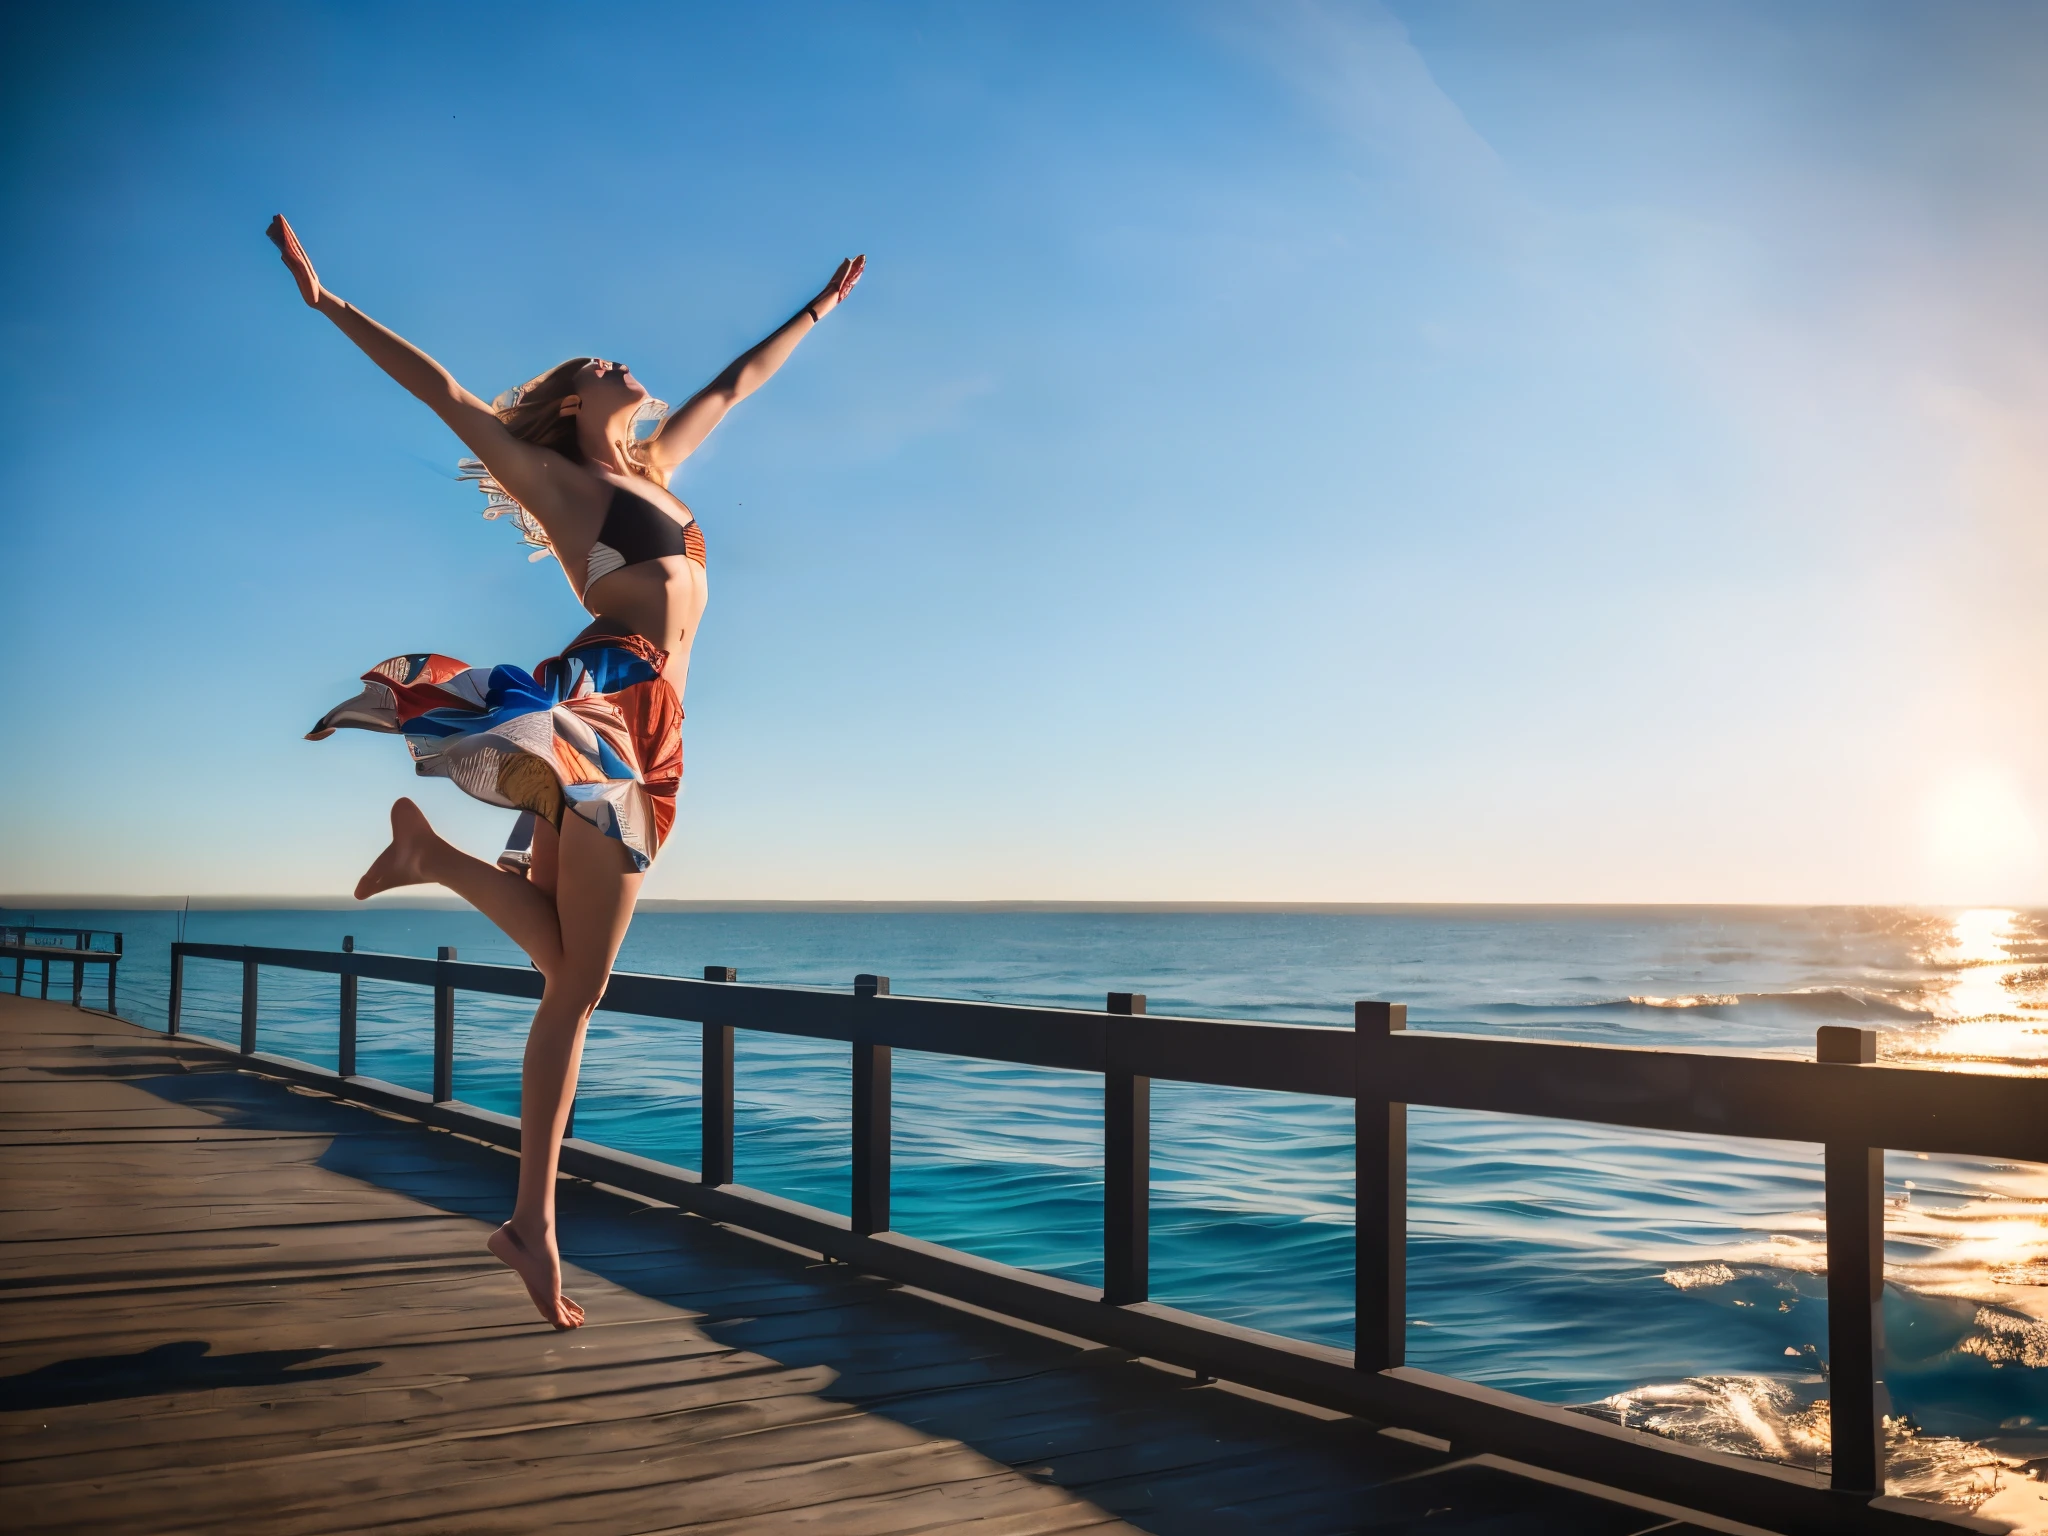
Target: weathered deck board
x=227 y=1304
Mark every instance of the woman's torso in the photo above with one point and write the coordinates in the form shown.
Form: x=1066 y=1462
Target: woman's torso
x=661 y=597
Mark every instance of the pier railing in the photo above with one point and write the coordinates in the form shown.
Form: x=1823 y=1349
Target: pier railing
x=79 y=947
x=1845 y=1100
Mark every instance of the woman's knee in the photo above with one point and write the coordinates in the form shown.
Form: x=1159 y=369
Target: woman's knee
x=576 y=987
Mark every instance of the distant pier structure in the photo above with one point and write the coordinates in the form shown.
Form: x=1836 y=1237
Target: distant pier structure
x=76 y=948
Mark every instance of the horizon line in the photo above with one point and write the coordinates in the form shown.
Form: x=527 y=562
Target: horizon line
x=311 y=903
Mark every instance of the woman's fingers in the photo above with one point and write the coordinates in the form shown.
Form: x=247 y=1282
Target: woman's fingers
x=849 y=274
x=294 y=255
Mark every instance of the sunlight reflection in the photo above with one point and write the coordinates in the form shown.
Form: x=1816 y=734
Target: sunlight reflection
x=1992 y=1009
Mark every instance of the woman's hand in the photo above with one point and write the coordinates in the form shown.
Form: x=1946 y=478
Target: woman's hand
x=841 y=285
x=698 y=415
x=301 y=267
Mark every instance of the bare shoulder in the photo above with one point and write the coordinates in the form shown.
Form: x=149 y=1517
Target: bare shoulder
x=550 y=486
x=566 y=499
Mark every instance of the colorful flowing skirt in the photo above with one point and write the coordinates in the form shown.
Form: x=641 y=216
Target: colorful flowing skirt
x=596 y=730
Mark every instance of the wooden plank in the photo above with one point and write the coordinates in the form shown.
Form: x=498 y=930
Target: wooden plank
x=870 y=1160
x=1908 y=1108
x=249 y=1007
x=68 y=1096
x=55 y=1121
x=1853 y=1180
x=1126 y=1164
x=631 y=1402
x=1126 y=1187
x=73 y=952
x=345 y=1048
x=1381 y=1268
x=444 y=1030
x=716 y=1119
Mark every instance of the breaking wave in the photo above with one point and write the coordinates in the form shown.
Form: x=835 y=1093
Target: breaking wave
x=1827 y=1002
x=1785 y=1419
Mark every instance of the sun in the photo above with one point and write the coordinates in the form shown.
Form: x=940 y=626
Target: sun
x=1981 y=838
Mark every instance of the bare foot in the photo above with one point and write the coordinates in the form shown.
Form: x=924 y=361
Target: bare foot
x=402 y=863
x=541 y=1269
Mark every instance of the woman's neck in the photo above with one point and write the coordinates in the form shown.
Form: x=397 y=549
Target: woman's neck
x=604 y=448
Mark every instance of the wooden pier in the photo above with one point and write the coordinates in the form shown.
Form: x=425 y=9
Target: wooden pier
x=76 y=947
x=342 y=1216
x=232 y=1303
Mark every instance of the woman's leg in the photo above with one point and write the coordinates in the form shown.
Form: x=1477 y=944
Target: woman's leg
x=544 y=858
x=595 y=884
x=419 y=855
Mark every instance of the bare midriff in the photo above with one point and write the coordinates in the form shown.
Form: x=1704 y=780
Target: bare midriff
x=661 y=599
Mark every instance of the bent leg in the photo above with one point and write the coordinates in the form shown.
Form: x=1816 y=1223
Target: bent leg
x=419 y=855
x=595 y=886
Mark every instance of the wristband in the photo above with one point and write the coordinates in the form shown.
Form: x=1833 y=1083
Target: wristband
x=812 y=311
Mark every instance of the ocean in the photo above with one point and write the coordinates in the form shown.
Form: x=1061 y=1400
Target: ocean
x=1670 y=1282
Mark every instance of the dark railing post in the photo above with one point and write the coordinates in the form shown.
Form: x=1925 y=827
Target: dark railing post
x=1854 y=1177
x=444 y=1034
x=1382 y=1326
x=177 y=988
x=345 y=1048
x=716 y=1163
x=112 y=967
x=1126 y=1173
x=248 y=1007
x=46 y=976
x=78 y=972
x=870 y=1123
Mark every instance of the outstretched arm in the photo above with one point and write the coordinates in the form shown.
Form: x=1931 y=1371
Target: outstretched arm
x=519 y=466
x=692 y=422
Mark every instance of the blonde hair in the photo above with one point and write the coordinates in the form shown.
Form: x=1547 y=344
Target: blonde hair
x=533 y=414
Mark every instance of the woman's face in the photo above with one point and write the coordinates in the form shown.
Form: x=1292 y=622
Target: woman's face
x=609 y=388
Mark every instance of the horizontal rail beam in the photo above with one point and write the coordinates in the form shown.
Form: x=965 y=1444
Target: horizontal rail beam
x=53 y=952
x=1914 y=1109
x=1911 y=1109
x=1473 y=1418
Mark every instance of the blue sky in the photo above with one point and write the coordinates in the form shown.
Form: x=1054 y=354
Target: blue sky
x=1280 y=452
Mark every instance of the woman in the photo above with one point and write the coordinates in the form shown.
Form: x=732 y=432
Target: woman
x=589 y=748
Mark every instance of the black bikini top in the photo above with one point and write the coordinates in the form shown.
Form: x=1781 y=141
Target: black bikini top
x=635 y=531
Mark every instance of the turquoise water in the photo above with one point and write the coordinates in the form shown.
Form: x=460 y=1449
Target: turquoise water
x=1674 y=1281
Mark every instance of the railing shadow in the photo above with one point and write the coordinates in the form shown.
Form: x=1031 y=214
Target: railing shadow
x=185 y=1366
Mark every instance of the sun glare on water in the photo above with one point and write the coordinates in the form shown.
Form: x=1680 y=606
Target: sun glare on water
x=1991 y=1008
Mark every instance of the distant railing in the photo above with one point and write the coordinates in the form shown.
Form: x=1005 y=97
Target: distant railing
x=79 y=946
x=1845 y=1100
